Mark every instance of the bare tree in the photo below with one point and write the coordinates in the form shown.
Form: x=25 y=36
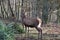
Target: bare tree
x=45 y=11
x=9 y=6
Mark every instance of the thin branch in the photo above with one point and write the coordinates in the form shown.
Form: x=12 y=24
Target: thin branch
x=9 y=5
x=4 y=9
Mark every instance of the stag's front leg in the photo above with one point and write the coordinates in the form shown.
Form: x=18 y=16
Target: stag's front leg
x=26 y=33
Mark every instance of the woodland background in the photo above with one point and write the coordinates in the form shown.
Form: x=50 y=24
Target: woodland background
x=47 y=10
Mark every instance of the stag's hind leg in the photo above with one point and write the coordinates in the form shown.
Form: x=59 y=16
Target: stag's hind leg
x=39 y=33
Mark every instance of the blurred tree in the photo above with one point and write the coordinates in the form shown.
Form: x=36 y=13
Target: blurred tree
x=9 y=6
x=58 y=16
x=45 y=11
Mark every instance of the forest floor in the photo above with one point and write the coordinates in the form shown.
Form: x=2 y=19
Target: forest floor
x=50 y=32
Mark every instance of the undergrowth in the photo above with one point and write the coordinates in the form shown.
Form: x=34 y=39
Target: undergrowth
x=8 y=31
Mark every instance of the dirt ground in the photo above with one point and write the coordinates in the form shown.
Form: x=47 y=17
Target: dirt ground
x=45 y=37
x=50 y=32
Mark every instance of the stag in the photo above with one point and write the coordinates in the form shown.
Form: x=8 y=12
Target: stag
x=31 y=22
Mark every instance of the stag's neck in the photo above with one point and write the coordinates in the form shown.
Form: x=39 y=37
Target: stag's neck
x=22 y=13
x=23 y=16
x=40 y=23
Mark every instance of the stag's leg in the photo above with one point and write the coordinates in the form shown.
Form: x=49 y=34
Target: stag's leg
x=39 y=33
x=24 y=29
x=26 y=33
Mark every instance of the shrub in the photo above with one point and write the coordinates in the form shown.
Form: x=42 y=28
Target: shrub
x=8 y=31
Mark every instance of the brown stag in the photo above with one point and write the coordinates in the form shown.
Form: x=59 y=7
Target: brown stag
x=31 y=22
